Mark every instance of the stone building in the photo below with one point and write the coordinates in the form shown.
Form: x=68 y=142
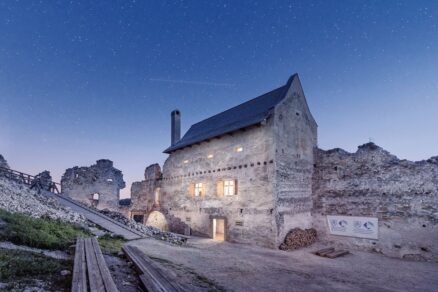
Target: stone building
x=252 y=173
x=98 y=185
x=243 y=175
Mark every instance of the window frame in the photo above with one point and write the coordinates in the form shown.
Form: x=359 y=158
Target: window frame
x=198 y=189
x=229 y=187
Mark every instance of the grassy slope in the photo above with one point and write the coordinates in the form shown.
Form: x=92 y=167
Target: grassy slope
x=40 y=233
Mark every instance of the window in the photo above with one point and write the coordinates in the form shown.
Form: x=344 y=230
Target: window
x=198 y=189
x=239 y=149
x=96 y=196
x=229 y=188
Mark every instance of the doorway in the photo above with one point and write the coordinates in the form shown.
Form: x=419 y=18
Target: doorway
x=219 y=229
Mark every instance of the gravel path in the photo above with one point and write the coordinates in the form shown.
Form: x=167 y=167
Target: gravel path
x=247 y=268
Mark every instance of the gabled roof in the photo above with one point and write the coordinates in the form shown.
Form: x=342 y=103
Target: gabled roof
x=242 y=116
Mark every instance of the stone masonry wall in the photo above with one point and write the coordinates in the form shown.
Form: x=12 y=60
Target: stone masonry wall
x=249 y=214
x=295 y=135
x=80 y=183
x=143 y=192
x=403 y=195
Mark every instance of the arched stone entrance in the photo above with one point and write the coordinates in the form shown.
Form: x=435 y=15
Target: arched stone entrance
x=158 y=220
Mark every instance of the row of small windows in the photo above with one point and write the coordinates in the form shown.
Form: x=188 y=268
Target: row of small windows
x=226 y=187
x=210 y=156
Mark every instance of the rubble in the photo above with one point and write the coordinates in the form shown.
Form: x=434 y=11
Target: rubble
x=147 y=230
x=298 y=238
x=18 y=198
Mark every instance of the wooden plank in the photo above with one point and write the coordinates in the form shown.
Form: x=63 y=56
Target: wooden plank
x=95 y=279
x=103 y=268
x=336 y=254
x=79 y=281
x=324 y=251
x=153 y=278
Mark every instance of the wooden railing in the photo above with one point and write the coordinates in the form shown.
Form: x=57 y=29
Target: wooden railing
x=33 y=181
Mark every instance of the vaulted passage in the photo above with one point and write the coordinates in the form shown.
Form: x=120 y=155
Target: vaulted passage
x=157 y=219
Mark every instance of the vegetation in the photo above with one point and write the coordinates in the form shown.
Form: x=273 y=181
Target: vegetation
x=40 y=233
x=21 y=268
x=111 y=244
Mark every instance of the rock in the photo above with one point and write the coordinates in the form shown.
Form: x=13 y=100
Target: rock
x=65 y=273
x=3 y=162
x=19 y=198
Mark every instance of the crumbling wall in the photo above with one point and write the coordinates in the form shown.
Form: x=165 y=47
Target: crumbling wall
x=143 y=192
x=45 y=180
x=3 y=162
x=403 y=195
x=81 y=183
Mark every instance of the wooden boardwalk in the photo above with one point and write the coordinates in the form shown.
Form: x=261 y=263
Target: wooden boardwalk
x=90 y=272
x=98 y=218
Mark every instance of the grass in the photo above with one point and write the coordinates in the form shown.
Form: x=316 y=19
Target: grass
x=111 y=244
x=40 y=233
x=21 y=268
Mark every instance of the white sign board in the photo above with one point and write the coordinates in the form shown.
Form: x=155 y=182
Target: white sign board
x=363 y=227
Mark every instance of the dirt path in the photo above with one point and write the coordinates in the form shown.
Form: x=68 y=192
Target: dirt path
x=245 y=268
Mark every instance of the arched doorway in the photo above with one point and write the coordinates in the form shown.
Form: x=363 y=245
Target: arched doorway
x=158 y=220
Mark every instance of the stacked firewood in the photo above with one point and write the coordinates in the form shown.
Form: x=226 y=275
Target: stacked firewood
x=297 y=238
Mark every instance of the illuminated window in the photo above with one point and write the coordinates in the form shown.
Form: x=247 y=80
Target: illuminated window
x=185 y=161
x=229 y=188
x=96 y=196
x=198 y=189
x=239 y=149
x=210 y=156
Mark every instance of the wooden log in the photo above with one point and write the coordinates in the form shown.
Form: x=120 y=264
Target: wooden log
x=324 y=251
x=336 y=254
x=153 y=278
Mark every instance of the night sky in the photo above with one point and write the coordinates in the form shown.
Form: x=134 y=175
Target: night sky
x=80 y=81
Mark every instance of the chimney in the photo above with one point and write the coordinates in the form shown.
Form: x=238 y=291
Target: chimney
x=175 y=127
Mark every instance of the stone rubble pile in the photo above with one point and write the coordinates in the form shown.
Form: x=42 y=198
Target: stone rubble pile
x=19 y=198
x=298 y=238
x=147 y=230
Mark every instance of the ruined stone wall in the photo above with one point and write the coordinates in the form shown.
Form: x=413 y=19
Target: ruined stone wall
x=143 y=193
x=3 y=162
x=80 y=183
x=248 y=214
x=403 y=195
x=295 y=135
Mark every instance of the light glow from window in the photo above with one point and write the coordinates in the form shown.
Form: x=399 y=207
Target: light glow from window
x=239 y=149
x=198 y=189
x=210 y=156
x=185 y=161
x=229 y=187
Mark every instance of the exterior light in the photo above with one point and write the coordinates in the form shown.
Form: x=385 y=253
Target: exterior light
x=239 y=149
x=185 y=161
x=210 y=156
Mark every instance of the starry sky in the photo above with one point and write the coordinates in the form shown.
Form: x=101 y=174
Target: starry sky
x=84 y=80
